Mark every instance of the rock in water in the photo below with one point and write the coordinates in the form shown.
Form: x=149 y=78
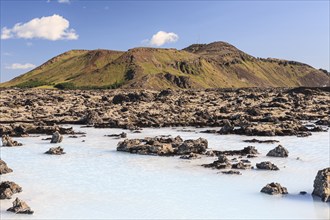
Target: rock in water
x=20 y=207
x=190 y=156
x=274 y=189
x=163 y=146
x=322 y=184
x=55 y=151
x=198 y=146
x=221 y=163
x=267 y=165
x=7 y=189
x=9 y=142
x=57 y=137
x=4 y=168
x=278 y=151
x=235 y=172
x=227 y=127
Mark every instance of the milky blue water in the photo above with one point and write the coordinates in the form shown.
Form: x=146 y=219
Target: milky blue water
x=93 y=180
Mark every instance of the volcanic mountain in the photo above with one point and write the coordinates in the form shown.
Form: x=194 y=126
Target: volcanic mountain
x=213 y=65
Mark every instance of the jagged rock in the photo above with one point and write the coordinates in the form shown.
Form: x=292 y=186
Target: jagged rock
x=190 y=156
x=7 y=189
x=20 y=207
x=91 y=118
x=227 y=127
x=267 y=165
x=55 y=151
x=260 y=141
x=278 y=151
x=198 y=146
x=210 y=153
x=163 y=146
x=121 y=135
x=236 y=172
x=250 y=150
x=322 y=184
x=4 y=168
x=253 y=111
x=274 y=189
x=56 y=138
x=9 y=142
x=241 y=165
x=222 y=163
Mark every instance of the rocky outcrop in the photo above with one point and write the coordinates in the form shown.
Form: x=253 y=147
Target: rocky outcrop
x=221 y=163
x=250 y=150
x=121 y=135
x=162 y=146
x=92 y=117
x=20 y=207
x=190 y=156
x=227 y=127
x=261 y=141
x=322 y=184
x=24 y=129
x=4 y=168
x=7 y=189
x=55 y=151
x=242 y=165
x=266 y=165
x=224 y=108
x=198 y=146
x=274 y=189
x=232 y=172
x=278 y=151
x=56 y=137
x=9 y=142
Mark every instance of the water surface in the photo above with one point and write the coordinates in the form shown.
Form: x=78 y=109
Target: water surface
x=93 y=180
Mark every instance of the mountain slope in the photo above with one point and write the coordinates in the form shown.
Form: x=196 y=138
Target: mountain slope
x=217 y=64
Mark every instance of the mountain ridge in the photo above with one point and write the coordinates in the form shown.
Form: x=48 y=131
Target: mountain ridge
x=214 y=65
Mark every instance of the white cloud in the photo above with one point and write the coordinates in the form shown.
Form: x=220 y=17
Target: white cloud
x=53 y=27
x=64 y=1
x=18 y=66
x=161 y=38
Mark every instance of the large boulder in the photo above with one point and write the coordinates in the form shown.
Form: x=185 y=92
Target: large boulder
x=7 y=141
x=20 y=207
x=56 y=138
x=278 y=151
x=322 y=184
x=274 y=189
x=4 y=168
x=55 y=151
x=267 y=165
x=7 y=189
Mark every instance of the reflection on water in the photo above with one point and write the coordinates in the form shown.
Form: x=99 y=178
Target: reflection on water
x=93 y=180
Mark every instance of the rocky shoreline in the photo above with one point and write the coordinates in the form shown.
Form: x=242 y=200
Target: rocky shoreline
x=251 y=111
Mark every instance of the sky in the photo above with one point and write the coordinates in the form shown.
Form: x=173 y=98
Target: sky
x=33 y=32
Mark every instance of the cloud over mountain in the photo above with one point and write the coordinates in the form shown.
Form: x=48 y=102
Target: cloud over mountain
x=162 y=37
x=53 y=28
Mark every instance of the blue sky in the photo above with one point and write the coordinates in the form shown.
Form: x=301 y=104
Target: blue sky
x=293 y=30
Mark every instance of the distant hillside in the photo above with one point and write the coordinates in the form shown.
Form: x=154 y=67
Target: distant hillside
x=213 y=65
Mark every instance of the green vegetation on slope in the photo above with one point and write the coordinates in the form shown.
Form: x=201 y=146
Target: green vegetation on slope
x=212 y=65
